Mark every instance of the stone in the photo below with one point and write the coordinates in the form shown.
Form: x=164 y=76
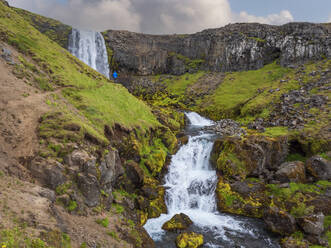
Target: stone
x=279 y=221
x=291 y=172
x=319 y=168
x=50 y=175
x=312 y=224
x=134 y=173
x=7 y=55
x=47 y=193
x=189 y=240
x=89 y=186
x=111 y=169
x=177 y=222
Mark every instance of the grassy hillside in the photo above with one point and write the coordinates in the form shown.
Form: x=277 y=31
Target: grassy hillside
x=98 y=100
x=53 y=29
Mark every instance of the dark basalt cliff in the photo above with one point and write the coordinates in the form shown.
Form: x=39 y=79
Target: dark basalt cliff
x=234 y=47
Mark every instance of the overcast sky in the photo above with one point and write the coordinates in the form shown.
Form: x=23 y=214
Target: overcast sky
x=175 y=16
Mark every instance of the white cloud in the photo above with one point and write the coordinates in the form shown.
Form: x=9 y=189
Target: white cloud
x=149 y=16
x=283 y=17
x=329 y=18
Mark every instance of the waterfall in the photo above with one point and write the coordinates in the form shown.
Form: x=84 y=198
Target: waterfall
x=190 y=188
x=90 y=47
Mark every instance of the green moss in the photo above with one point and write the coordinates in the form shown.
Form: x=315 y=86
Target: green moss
x=276 y=131
x=295 y=157
x=62 y=189
x=301 y=210
x=72 y=206
x=16 y=237
x=113 y=234
x=189 y=63
x=103 y=222
x=232 y=202
x=119 y=209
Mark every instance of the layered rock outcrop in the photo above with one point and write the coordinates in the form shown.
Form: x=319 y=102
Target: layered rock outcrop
x=234 y=47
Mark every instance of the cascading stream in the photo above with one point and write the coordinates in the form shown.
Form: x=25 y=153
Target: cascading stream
x=90 y=47
x=191 y=184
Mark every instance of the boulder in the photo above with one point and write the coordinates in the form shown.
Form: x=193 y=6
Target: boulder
x=189 y=240
x=312 y=224
x=134 y=173
x=6 y=54
x=89 y=186
x=111 y=169
x=177 y=222
x=84 y=161
x=291 y=172
x=50 y=175
x=280 y=221
x=319 y=168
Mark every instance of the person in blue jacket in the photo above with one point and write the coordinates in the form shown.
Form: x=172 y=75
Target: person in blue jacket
x=115 y=75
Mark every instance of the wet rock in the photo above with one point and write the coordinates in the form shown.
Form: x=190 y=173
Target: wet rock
x=291 y=172
x=177 y=222
x=319 y=168
x=279 y=221
x=312 y=224
x=89 y=186
x=134 y=173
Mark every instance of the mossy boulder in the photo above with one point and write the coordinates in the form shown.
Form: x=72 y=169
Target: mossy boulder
x=245 y=198
x=280 y=221
x=291 y=172
x=236 y=158
x=177 y=222
x=189 y=240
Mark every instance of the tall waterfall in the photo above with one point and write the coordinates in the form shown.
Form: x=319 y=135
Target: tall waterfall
x=190 y=188
x=90 y=47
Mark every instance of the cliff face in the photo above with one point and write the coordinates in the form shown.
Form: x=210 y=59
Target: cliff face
x=234 y=47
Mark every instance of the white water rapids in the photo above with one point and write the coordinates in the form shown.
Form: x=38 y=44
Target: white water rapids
x=90 y=47
x=190 y=189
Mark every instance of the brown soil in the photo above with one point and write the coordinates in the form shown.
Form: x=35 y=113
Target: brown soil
x=21 y=106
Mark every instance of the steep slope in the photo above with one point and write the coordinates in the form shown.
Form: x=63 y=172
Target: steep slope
x=75 y=139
